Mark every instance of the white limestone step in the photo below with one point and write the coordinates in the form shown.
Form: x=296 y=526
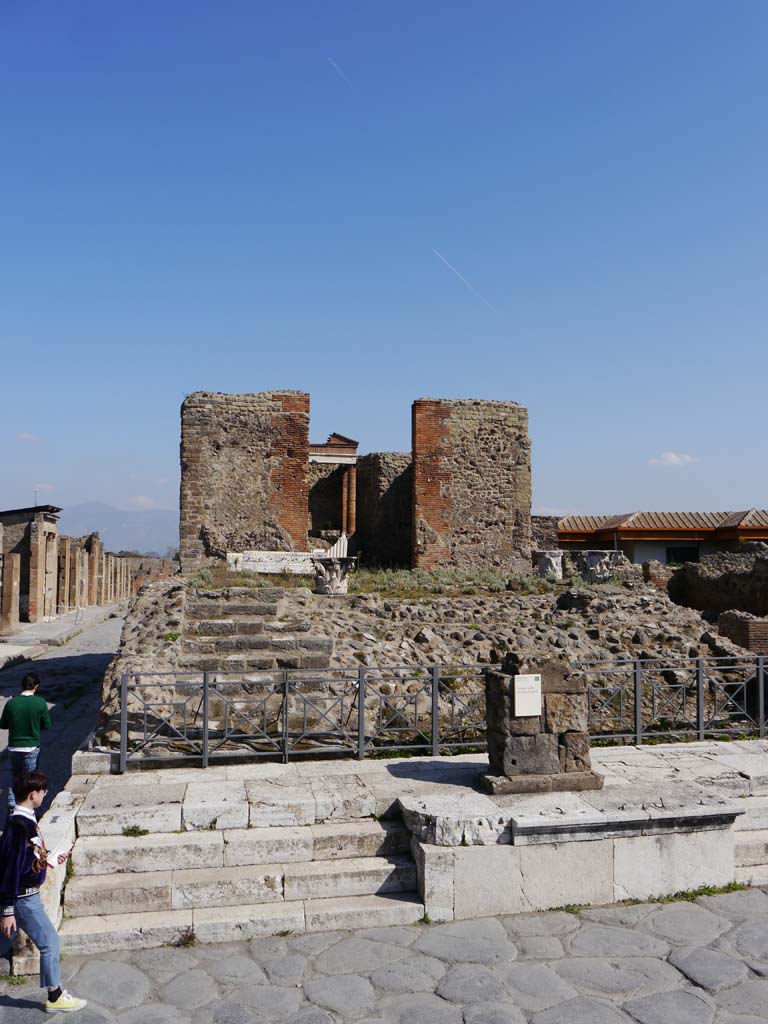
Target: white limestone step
x=101 y=934
x=186 y=851
x=755 y=814
x=149 y=891
x=755 y=875
x=751 y=848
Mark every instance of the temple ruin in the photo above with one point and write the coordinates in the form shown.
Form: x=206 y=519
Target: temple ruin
x=251 y=481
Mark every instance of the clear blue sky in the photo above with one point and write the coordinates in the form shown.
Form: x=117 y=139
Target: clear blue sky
x=236 y=196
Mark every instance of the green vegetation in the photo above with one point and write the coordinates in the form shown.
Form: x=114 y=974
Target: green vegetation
x=171 y=637
x=185 y=938
x=686 y=896
x=134 y=831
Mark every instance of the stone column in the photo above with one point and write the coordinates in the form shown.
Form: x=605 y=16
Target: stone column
x=351 y=523
x=94 y=571
x=62 y=590
x=36 y=572
x=344 y=499
x=75 y=577
x=9 y=610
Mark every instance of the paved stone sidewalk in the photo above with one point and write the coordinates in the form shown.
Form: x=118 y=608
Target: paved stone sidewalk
x=680 y=963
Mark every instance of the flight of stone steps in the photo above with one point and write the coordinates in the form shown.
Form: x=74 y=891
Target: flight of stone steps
x=334 y=865
x=239 y=629
x=751 y=841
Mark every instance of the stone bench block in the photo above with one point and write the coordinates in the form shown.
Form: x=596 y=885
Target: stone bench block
x=84 y=935
x=359 y=839
x=219 y=805
x=107 y=810
x=358 y=876
x=659 y=864
x=266 y=845
x=233 y=924
x=104 y=855
x=272 y=803
x=97 y=895
x=349 y=912
x=227 y=887
x=752 y=848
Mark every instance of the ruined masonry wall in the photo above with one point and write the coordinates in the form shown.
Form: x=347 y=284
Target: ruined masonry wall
x=471 y=485
x=244 y=474
x=384 y=516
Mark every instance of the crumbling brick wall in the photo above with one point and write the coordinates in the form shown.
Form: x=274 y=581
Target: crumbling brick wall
x=384 y=514
x=471 y=485
x=724 y=581
x=244 y=474
x=745 y=630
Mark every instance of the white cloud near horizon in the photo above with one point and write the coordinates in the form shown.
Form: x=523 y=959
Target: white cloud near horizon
x=672 y=460
x=45 y=488
x=29 y=438
x=551 y=510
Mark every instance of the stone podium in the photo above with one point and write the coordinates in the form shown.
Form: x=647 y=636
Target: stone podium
x=536 y=719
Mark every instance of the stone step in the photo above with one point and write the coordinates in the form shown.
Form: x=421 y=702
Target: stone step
x=208 y=609
x=751 y=848
x=188 y=851
x=755 y=875
x=265 y=661
x=100 y=934
x=755 y=814
x=225 y=627
x=257 y=644
x=149 y=891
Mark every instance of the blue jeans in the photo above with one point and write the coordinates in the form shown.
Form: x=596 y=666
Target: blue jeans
x=32 y=918
x=20 y=761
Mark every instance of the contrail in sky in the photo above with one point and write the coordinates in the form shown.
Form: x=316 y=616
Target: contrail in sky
x=338 y=71
x=465 y=282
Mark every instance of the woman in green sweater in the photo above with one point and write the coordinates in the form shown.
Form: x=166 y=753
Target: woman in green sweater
x=24 y=716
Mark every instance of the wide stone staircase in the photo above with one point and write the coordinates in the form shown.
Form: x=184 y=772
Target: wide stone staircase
x=241 y=629
x=233 y=853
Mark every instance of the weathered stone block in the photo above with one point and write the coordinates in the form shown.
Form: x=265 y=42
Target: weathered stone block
x=531 y=755
x=672 y=862
x=565 y=712
x=574 y=752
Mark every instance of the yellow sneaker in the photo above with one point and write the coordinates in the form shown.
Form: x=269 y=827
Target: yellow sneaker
x=65 y=1004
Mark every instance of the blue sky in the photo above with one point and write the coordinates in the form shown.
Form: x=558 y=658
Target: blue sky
x=238 y=196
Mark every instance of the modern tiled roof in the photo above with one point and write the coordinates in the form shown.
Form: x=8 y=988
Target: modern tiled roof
x=755 y=518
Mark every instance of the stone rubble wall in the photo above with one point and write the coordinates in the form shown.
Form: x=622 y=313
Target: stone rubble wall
x=719 y=582
x=324 y=496
x=745 y=629
x=472 y=485
x=244 y=474
x=544 y=532
x=384 y=508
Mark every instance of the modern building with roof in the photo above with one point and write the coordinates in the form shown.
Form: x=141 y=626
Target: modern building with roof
x=664 y=536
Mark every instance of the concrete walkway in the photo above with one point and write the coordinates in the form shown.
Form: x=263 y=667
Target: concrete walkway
x=71 y=683
x=704 y=962
x=60 y=630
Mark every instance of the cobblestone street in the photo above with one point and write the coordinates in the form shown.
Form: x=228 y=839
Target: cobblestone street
x=679 y=963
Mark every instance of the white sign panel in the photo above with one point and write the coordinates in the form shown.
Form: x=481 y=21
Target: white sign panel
x=527 y=696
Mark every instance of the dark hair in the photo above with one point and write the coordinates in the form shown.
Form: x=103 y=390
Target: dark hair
x=29 y=782
x=30 y=681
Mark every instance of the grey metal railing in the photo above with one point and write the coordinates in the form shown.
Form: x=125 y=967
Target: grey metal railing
x=365 y=711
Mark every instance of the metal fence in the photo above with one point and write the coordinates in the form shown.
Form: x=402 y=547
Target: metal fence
x=426 y=709
x=289 y=712
x=650 y=698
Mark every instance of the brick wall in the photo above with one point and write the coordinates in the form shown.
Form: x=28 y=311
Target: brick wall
x=471 y=485
x=244 y=474
x=745 y=630
x=384 y=513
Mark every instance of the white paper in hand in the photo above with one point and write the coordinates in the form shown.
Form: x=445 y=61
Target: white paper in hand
x=52 y=856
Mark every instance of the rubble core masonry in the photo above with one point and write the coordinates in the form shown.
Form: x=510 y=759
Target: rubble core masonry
x=252 y=482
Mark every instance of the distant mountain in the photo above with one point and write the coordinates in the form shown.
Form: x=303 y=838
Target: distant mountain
x=148 y=531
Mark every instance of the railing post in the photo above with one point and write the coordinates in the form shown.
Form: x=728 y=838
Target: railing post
x=285 y=716
x=123 y=722
x=638 y=677
x=435 y=710
x=760 y=670
x=361 y=713
x=700 y=698
x=205 y=719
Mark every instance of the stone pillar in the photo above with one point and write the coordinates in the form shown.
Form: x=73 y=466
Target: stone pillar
x=537 y=742
x=75 y=577
x=36 y=572
x=9 y=610
x=344 y=500
x=95 y=561
x=62 y=589
x=351 y=522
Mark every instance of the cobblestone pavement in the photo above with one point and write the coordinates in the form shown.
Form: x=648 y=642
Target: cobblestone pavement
x=71 y=677
x=679 y=963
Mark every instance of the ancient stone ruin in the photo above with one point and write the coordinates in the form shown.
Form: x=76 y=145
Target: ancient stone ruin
x=251 y=482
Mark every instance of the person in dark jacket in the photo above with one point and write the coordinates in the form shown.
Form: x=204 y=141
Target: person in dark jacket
x=24 y=716
x=23 y=861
